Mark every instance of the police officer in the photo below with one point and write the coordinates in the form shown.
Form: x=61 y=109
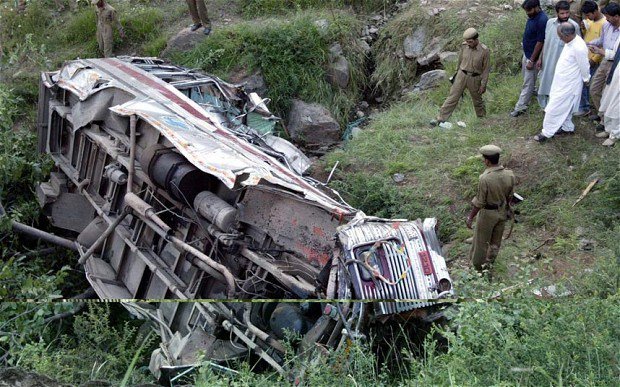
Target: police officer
x=491 y=205
x=472 y=74
x=106 y=19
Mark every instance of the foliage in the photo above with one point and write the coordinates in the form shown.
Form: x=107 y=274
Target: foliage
x=256 y=8
x=96 y=349
x=292 y=56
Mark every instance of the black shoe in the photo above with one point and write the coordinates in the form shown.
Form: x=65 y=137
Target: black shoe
x=540 y=137
x=599 y=128
x=194 y=27
x=517 y=113
x=562 y=131
x=594 y=117
x=207 y=30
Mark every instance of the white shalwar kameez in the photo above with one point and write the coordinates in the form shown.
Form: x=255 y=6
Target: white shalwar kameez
x=572 y=70
x=610 y=103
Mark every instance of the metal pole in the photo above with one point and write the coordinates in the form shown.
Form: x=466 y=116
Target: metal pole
x=132 y=151
x=104 y=236
x=39 y=234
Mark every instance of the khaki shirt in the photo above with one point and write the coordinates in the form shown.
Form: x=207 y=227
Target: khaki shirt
x=476 y=61
x=495 y=187
x=106 y=16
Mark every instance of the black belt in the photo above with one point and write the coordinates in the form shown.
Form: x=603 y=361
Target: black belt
x=470 y=73
x=494 y=206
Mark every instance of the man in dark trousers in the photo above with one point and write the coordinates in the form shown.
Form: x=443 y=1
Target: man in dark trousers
x=200 y=16
x=491 y=206
x=533 y=40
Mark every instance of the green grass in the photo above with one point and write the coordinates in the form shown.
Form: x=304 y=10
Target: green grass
x=256 y=8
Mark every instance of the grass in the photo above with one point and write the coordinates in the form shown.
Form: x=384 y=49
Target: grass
x=256 y=8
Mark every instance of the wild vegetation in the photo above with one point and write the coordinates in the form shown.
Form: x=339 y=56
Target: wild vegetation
x=499 y=334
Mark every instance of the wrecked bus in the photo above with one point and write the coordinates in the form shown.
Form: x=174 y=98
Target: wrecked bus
x=176 y=189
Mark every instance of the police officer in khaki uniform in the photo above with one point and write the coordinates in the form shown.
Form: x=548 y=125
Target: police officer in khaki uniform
x=472 y=73
x=106 y=19
x=491 y=205
x=200 y=17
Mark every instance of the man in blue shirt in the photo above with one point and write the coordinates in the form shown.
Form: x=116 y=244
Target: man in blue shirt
x=533 y=40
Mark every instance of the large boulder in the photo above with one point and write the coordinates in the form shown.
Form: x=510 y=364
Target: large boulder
x=252 y=83
x=431 y=52
x=185 y=40
x=312 y=125
x=414 y=43
x=430 y=79
x=338 y=72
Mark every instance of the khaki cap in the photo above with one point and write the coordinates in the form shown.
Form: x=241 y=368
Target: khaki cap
x=490 y=150
x=470 y=33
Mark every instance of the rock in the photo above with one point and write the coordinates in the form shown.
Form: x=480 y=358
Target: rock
x=378 y=99
x=431 y=52
x=335 y=50
x=414 y=43
x=338 y=72
x=376 y=18
x=253 y=83
x=322 y=24
x=373 y=30
x=430 y=79
x=364 y=45
x=312 y=124
x=448 y=56
x=461 y=124
x=185 y=40
x=360 y=114
x=364 y=105
x=398 y=177
x=507 y=7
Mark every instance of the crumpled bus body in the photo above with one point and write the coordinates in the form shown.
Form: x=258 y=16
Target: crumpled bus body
x=176 y=189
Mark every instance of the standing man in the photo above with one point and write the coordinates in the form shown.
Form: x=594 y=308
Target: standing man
x=572 y=71
x=610 y=103
x=604 y=46
x=551 y=50
x=533 y=40
x=106 y=20
x=491 y=206
x=200 y=17
x=472 y=74
x=593 y=24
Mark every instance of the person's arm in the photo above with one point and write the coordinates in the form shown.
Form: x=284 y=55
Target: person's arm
x=534 y=58
x=584 y=64
x=121 y=31
x=478 y=202
x=486 y=69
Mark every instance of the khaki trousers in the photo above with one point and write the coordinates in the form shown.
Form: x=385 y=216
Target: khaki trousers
x=198 y=11
x=597 y=84
x=462 y=82
x=487 y=237
x=105 y=39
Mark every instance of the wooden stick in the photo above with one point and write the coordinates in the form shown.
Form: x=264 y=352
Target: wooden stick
x=586 y=191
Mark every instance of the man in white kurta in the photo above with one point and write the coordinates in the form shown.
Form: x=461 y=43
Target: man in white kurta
x=572 y=70
x=552 y=49
x=610 y=102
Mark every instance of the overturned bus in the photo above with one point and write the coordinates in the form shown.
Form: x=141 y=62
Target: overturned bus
x=176 y=189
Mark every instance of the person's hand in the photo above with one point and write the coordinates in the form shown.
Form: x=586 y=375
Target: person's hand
x=482 y=89
x=529 y=65
x=469 y=222
x=539 y=64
